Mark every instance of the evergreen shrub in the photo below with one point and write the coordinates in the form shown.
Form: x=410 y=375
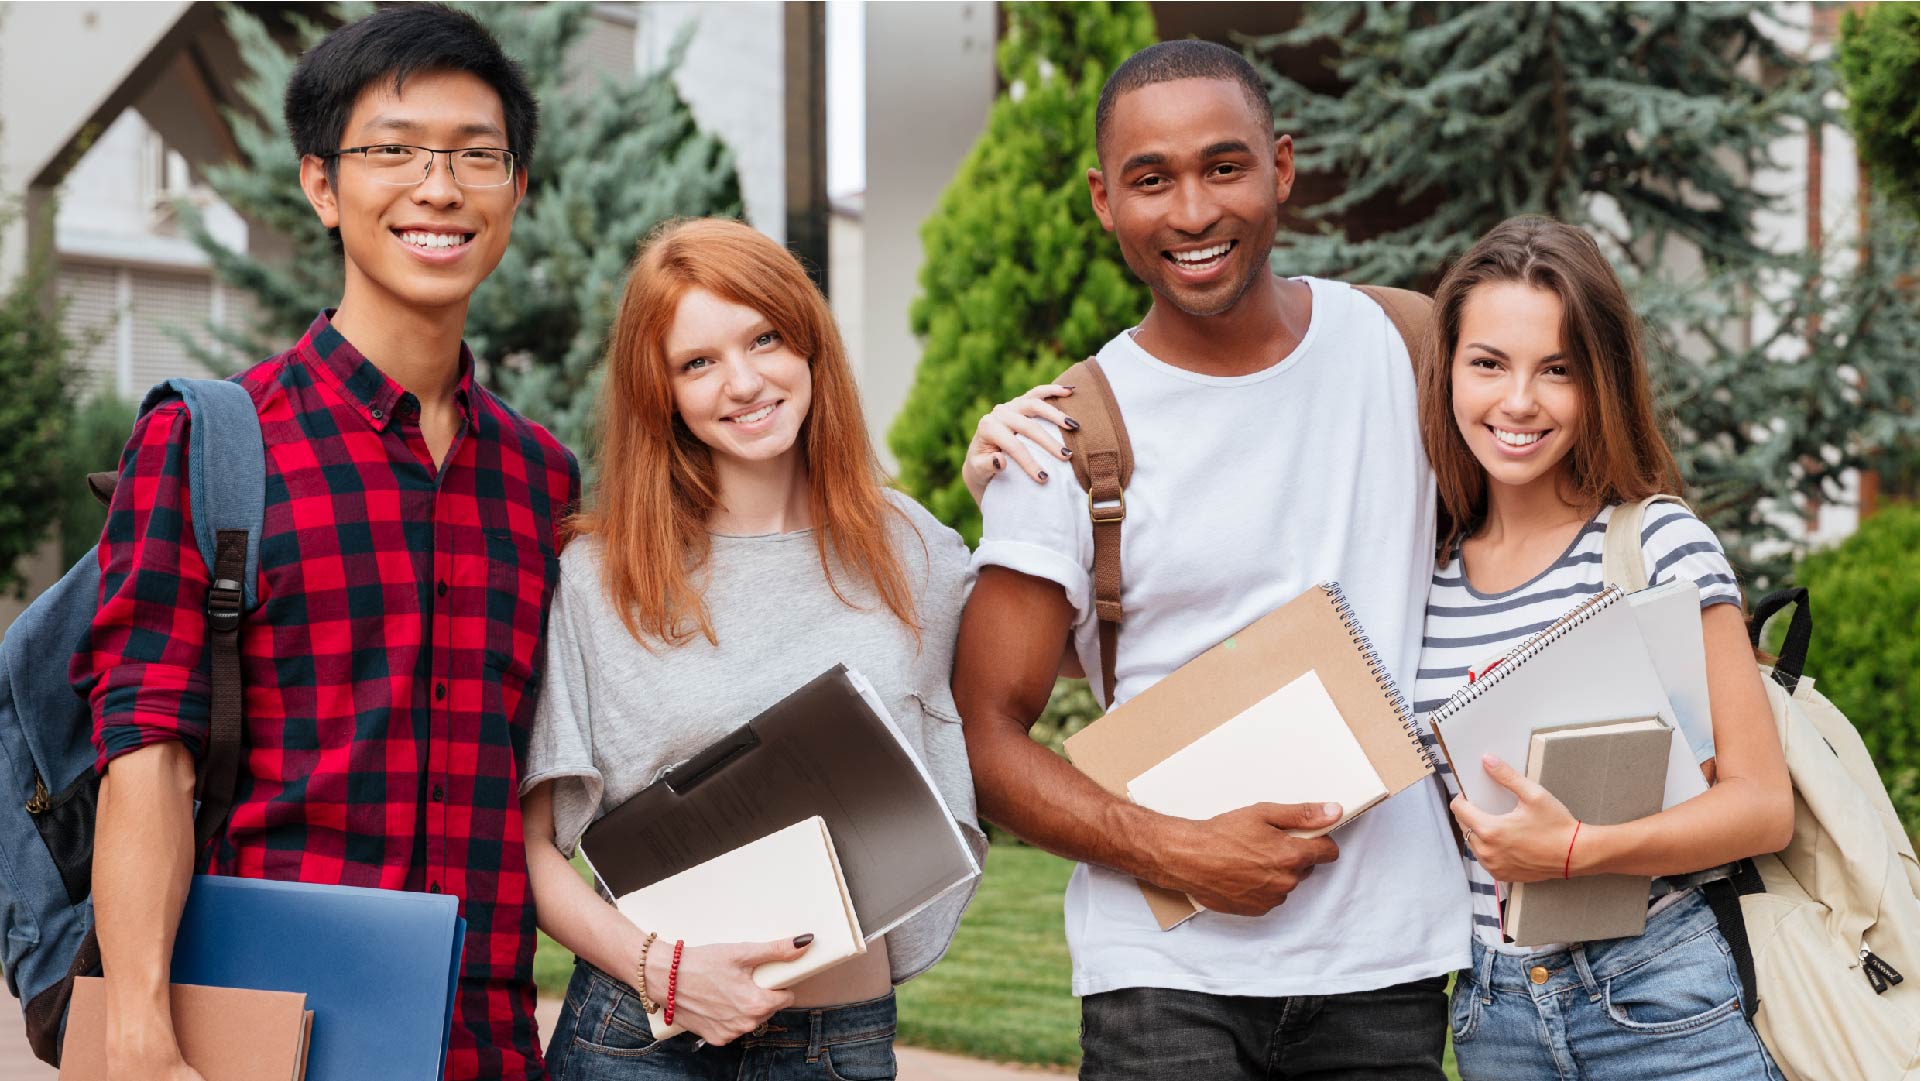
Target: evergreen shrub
x=35 y=408
x=1019 y=281
x=1880 y=62
x=1867 y=651
x=95 y=440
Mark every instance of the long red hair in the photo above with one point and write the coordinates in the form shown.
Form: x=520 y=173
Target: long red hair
x=656 y=485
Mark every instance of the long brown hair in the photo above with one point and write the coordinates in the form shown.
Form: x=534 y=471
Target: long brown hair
x=656 y=483
x=1619 y=454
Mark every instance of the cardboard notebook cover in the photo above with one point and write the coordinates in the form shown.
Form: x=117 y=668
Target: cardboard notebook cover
x=226 y=1033
x=785 y=884
x=1316 y=632
x=1606 y=774
x=826 y=749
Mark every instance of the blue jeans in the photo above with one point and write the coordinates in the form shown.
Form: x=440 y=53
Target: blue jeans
x=1161 y=1034
x=602 y=1035
x=1666 y=1004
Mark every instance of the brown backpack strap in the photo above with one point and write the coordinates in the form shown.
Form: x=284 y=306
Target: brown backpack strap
x=1412 y=314
x=1103 y=464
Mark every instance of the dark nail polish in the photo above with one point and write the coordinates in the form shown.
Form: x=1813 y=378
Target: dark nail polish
x=1071 y=424
x=998 y=464
x=1067 y=386
x=1043 y=476
x=1067 y=452
x=801 y=942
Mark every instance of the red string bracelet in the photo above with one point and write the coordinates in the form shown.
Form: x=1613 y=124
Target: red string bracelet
x=1566 y=866
x=673 y=982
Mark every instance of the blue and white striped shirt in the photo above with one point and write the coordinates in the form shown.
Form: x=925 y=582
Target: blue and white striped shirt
x=1467 y=628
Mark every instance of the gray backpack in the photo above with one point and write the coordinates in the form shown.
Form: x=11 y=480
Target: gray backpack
x=48 y=784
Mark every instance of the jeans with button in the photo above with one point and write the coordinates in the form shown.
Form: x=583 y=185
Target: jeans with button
x=1665 y=1004
x=1161 y=1034
x=603 y=1035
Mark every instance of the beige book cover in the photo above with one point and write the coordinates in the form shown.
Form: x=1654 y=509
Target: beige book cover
x=1315 y=632
x=785 y=884
x=1290 y=747
x=1605 y=774
x=226 y=1033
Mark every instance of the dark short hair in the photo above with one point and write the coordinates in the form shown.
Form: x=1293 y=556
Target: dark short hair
x=1169 y=61
x=397 y=43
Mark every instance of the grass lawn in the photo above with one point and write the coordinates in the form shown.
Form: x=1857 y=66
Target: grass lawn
x=1002 y=990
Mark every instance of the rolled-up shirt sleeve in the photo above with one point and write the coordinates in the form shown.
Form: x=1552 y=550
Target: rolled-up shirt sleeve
x=1040 y=530
x=145 y=668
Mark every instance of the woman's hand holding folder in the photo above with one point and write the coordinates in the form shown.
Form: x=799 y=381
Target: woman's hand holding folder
x=1244 y=862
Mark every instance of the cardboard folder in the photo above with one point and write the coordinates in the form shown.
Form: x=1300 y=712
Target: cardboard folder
x=1315 y=632
x=226 y=1033
x=826 y=749
x=379 y=967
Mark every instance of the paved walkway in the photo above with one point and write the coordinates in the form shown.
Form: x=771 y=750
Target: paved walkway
x=18 y=1064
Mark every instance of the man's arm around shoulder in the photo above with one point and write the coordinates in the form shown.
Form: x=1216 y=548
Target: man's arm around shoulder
x=1244 y=862
x=142 y=866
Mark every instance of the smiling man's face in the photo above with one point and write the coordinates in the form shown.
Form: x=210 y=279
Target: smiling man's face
x=429 y=243
x=1191 y=184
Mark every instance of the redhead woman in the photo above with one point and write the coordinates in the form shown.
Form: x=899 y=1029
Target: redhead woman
x=1539 y=421
x=739 y=540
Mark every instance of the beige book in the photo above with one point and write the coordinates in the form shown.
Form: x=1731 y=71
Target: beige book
x=1291 y=747
x=1605 y=774
x=784 y=885
x=226 y=1033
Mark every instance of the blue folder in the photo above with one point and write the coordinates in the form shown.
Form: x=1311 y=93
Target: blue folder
x=379 y=967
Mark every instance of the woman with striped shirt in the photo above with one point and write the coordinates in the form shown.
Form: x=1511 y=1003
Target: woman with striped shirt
x=1539 y=421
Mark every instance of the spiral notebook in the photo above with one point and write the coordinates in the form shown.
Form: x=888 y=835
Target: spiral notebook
x=1589 y=666
x=1310 y=649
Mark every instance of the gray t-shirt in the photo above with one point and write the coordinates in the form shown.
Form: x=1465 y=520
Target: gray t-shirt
x=615 y=715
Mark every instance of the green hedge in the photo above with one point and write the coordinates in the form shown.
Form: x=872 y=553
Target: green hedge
x=1867 y=651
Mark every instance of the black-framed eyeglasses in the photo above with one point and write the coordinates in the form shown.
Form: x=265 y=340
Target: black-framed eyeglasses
x=401 y=164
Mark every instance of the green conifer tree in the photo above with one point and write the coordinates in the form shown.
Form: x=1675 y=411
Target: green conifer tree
x=36 y=406
x=615 y=159
x=1019 y=280
x=1645 y=123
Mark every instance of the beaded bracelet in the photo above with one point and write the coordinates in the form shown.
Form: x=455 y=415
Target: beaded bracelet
x=673 y=982
x=647 y=1005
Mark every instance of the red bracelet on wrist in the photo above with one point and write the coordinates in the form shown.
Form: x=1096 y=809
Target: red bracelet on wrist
x=1567 y=865
x=673 y=983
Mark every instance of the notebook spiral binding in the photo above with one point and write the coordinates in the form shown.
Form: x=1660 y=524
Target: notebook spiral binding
x=1521 y=654
x=1376 y=668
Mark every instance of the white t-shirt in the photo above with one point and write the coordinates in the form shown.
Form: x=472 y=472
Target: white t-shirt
x=1246 y=492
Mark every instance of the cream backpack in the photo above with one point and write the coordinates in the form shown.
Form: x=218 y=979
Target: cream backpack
x=1825 y=931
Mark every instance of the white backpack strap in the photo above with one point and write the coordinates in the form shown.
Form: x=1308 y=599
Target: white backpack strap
x=1621 y=562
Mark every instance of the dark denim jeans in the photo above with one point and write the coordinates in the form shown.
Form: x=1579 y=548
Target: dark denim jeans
x=1156 y=1034
x=602 y=1035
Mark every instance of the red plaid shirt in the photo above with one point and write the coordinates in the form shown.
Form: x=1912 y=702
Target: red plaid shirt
x=391 y=668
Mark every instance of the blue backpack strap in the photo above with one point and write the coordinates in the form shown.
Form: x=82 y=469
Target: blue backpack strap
x=227 y=485
x=226 y=467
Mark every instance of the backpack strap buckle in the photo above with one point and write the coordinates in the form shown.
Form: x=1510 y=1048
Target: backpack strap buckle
x=224 y=600
x=1107 y=511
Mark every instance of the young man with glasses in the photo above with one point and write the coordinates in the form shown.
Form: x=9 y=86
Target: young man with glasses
x=406 y=560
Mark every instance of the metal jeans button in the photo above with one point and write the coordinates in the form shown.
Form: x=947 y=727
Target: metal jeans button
x=1537 y=974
